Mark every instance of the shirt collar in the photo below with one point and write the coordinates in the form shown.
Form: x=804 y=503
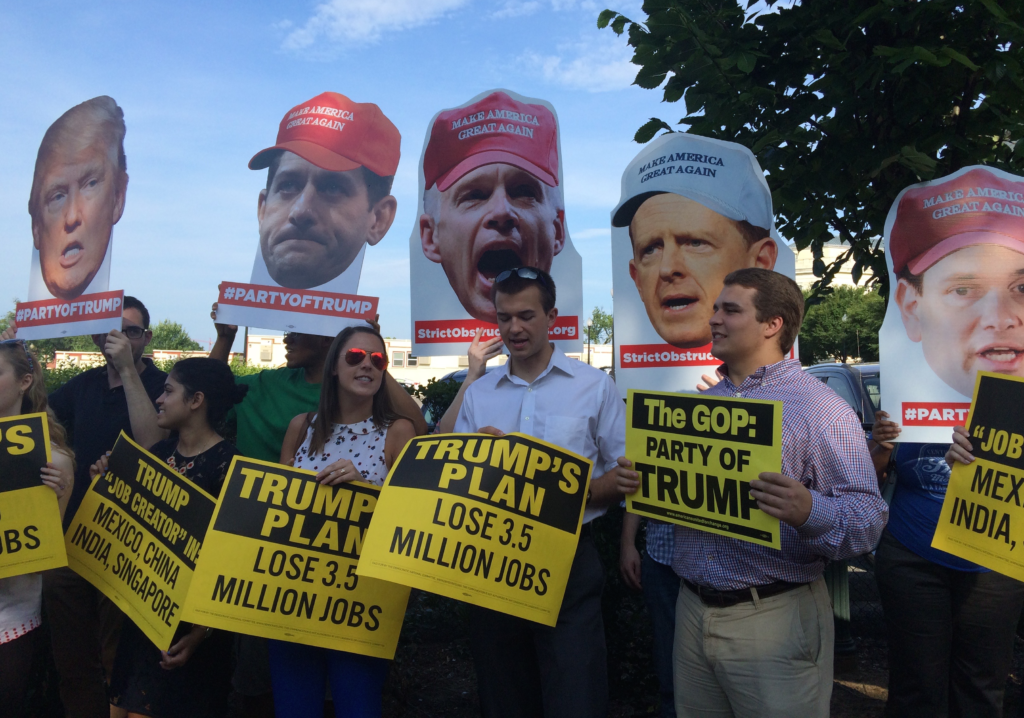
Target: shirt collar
x=768 y=375
x=558 y=361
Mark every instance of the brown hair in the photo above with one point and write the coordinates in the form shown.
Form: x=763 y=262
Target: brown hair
x=377 y=186
x=107 y=122
x=775 y=296
x=329 y=410
x=34 y=402
x=914 y=280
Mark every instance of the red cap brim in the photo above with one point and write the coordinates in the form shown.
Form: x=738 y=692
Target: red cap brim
x=309 y=151
x=491 y=157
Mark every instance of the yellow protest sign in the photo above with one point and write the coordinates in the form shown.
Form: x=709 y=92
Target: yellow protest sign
x=490 y=521
x=982 y=519
x=696 y=456
x=280 y=562
x=31 y=537
x=136 y=537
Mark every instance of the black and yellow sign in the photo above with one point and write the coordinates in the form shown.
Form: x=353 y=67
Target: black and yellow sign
x=280 y=562
x=696 y=456
x=490 y=521
x=137 y=535
x=31 y=537
x=982 y=519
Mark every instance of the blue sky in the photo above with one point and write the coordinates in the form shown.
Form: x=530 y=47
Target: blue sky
x=204 y=85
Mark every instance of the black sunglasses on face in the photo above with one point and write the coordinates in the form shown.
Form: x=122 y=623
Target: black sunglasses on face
x=133 y=332
x=523 y=272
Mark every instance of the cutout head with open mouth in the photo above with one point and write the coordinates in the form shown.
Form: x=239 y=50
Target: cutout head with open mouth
x=491 y=200
x=78 y=194
x=957 y=249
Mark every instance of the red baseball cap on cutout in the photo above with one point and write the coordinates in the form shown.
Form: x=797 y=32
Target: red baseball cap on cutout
x=978 y=207
x=337 y=135
x=494 y=129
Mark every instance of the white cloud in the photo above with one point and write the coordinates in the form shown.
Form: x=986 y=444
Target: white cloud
x=516 y=8
x=594 y=65
x=362 y=22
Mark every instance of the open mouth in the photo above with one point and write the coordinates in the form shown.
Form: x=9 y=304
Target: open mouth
x=1001 y=354
x=495 y=261
x=677 y=303
x=71 y=254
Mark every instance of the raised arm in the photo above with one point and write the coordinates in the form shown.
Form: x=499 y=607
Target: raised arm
x=141 y=412
x=479 y=354
x=221 y=350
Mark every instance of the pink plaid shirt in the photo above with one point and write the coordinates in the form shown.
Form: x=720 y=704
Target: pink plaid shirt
x=823 y=447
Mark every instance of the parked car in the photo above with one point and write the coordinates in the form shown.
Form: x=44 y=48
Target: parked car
x=856 y=383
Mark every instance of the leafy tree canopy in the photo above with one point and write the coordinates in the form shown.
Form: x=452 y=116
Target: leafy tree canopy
x=171 y=335
x=601 y=330
x=843 y=325
x=844 y=103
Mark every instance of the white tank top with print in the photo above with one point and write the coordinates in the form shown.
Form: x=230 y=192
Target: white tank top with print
x=361 y=443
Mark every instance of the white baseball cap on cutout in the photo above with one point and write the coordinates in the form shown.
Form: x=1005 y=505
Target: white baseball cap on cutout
x=723 y=176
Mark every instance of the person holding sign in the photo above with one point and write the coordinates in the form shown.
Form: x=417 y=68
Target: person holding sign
x=525 y=668
x=93 y=406
x=261 y=421
x=827 y=500
x=354 y=435
x=22 y=391
x=950 y=622
x=192 y=678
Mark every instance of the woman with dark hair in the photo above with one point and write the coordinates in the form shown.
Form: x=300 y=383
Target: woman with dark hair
x=355 y=435
x=22 y=391
x=192 y=678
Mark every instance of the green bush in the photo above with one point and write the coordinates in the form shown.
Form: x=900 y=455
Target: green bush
x=437 y=396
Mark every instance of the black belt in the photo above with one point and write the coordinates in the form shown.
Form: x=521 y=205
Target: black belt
x=724 y=599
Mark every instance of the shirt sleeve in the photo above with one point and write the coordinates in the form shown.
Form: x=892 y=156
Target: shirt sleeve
x=611 y=426
x=847 y=512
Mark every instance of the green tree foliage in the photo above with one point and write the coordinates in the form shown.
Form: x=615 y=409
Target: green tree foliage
x=844 y=103
x=171 y=335
x=601 y=330
x=437 y=396
x=843 y=325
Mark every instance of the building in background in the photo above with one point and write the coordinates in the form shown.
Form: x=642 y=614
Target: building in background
x=829 y=252
x=267 y=351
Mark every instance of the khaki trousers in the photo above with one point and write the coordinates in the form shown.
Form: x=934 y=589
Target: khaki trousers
x=763 y=658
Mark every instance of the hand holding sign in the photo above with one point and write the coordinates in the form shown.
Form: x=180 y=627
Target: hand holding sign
x=782 y=497
x=960 y=451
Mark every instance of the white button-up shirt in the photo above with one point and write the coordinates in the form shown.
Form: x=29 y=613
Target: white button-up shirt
x=571 y=404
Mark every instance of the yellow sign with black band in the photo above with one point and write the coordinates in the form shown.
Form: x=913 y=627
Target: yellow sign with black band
x=696 y=456
x=280 y=562
x=137 y=535
x=490 y=521
x=31 y=536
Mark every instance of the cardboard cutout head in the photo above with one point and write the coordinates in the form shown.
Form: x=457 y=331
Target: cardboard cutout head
x=78 y=195
x=328 y=193
x=692 y=210
x=956 y=251
x=490 y=199
x=696 y=210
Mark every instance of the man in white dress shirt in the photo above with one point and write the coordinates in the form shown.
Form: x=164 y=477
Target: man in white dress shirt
x=524 y=668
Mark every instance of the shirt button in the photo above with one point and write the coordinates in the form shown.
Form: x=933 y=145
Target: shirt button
x=527 y=418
